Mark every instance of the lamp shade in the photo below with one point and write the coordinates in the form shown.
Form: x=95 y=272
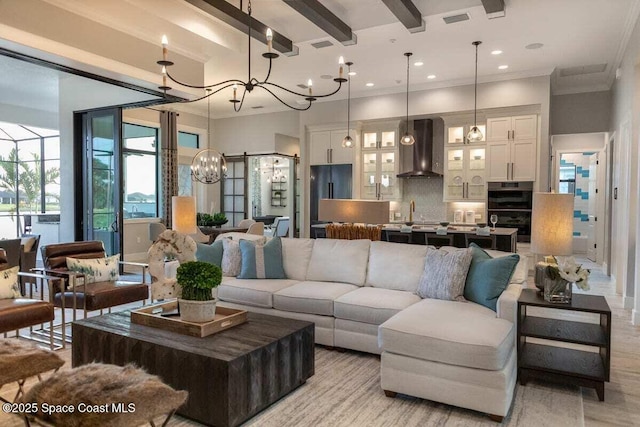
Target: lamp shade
x=183 y=214
x=552 y=224
x=354 y=211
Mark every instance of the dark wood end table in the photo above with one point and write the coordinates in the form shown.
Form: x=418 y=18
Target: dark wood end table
x=230 y=376
x=547 y=362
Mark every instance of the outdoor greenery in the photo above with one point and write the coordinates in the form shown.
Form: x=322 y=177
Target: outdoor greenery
x=25 y=179
x=197 y=279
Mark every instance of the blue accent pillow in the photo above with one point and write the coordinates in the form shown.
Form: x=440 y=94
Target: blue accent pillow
x=210 y=253
x=488 y=277
x=262 y=261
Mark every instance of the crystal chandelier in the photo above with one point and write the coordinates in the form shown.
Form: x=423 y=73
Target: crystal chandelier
x=251 y=82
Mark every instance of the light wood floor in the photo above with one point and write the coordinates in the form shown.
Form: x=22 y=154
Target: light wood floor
x=622 y=394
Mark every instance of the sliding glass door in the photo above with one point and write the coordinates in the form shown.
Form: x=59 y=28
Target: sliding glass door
x=102 y=177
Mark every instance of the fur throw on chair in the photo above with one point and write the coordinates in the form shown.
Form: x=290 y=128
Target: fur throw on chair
x=100 y=386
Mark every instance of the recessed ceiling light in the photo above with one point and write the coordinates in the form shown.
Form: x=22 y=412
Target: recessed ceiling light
x=431 y=76
x=369 y=84
x=326 y=77
x=503 y=67
x=352 y=73
x=534 y=46
x=418 y=63
x=496 y=52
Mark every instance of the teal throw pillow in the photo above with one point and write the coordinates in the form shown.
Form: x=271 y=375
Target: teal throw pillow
x=210 y=253
x=262 y=261
x=488 y=277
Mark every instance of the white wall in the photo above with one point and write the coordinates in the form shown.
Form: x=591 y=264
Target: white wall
x=625 y=128
x=254 y=134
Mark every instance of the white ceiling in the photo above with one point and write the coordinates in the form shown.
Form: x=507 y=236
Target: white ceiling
x=574 y=33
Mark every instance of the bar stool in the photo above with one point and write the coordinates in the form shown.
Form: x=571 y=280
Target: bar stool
x=398 y=237
x=486 y=242
x=438 y=240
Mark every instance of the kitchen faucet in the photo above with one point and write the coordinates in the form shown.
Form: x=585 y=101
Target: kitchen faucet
x=412 y=209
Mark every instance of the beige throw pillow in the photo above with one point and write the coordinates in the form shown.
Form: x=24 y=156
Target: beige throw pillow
x=445 y=274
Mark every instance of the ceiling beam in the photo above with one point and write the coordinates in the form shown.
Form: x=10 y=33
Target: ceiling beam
x=323 y=18
x=494 y=8
x=407 y=13
x=239 y=20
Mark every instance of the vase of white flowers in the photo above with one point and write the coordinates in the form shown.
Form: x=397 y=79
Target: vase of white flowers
x=559 y=279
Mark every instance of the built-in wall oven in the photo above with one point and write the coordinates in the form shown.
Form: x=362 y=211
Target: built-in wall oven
x=512 y=203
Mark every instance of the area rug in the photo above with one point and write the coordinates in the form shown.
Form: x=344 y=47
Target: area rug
x=345 y=392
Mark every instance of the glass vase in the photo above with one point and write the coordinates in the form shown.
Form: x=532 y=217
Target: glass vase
x=557 y=291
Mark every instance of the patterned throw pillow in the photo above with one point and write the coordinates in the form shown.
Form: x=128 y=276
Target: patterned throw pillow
x=262 y=261
x=95 y=269
x=9 y=287
x=231 y=258
x=444 y=274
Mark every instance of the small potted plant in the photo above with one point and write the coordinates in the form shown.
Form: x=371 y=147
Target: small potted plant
x=198 y=281
x=219 y=219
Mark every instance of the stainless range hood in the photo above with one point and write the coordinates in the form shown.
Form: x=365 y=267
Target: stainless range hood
x=422 y=151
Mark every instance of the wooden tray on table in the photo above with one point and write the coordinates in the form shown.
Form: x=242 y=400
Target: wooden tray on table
x=152 y=316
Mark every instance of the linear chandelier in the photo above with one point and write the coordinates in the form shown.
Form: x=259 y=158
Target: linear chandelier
x=251 y=82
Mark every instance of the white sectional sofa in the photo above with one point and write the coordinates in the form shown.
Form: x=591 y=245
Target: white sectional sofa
x=361 y=295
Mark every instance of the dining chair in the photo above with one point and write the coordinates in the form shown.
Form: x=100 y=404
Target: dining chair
x=279 y=228
x=245 y=223
x=155 y=229
x=486 y=242
x=256 y=228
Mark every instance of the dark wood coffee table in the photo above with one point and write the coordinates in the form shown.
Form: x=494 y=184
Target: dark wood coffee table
x=230 y=376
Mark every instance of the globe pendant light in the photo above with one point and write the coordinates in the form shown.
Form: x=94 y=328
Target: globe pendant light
x=347 y=142
x=475 y=134
x=407 y=138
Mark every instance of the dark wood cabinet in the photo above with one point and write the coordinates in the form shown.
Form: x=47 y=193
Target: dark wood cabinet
x=588 y=367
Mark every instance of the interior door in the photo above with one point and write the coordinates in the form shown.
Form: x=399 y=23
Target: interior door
x=592 y=236
x=102 y=189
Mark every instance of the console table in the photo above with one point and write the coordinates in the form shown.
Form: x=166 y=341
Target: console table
x=578 y=367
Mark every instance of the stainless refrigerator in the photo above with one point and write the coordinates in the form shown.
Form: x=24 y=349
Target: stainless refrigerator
x=329 y=182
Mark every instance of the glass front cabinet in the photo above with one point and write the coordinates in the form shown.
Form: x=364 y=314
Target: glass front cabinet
x=380 y=162
x=464 y=175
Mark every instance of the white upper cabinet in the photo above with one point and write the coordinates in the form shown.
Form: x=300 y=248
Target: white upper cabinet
x=512 y=148
x=326 y=147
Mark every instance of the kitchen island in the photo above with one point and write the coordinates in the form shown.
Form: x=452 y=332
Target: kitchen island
x=506 y=238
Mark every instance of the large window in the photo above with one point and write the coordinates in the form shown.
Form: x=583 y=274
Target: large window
x=29 y=181
x=140 y=172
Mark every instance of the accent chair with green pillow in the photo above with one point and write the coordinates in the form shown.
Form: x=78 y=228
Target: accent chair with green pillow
x=488 y=277
x=262 y=261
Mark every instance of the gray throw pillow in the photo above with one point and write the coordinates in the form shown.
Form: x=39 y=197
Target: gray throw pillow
x=445 y=274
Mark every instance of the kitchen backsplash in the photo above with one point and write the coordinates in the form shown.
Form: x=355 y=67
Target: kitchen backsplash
x=427 y=193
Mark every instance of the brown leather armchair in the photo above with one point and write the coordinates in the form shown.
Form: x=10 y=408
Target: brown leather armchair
x=91 y=296
x=18 y=313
